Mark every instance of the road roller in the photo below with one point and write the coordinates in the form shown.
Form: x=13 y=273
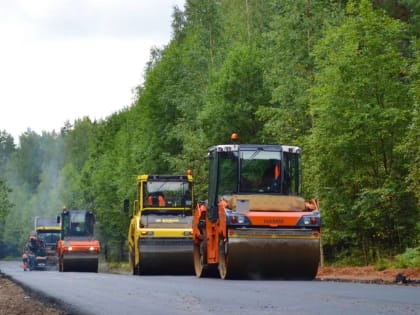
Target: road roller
x=160 y=232
x=255 y=224
x=48 y=231
x=77 y=249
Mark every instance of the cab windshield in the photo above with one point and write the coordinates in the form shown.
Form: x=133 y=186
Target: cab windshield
x=168 y=194
x=49 y=237
x=259 y=171
x=77 y=223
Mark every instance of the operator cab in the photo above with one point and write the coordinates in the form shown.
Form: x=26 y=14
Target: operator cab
x=49 y=237
x=77 y=223
x=169 y=193
x=253 y=169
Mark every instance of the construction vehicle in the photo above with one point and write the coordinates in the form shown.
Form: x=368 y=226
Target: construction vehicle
x=159 y=236
x=255 y=224
x=48 y=231
x=34 y=255
x=77 y=249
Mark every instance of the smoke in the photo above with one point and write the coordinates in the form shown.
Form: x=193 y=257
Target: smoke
x=33 y=174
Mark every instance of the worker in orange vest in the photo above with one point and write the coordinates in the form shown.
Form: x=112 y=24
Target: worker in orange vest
x=156 y=200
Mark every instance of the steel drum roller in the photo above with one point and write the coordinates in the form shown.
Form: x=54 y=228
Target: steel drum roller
x=166 y=255
x=288 y=254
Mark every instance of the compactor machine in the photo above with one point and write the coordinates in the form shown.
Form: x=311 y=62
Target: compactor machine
x=77 y=249
x=255 y=224
x=48 y=231
x=160 y=233
x=34 y=255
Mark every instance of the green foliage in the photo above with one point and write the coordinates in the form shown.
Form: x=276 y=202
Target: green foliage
x=412 y=146
x=5 y=204
x=28 y=160
x=386 y=219
x=410 y=258
x=18 y=223
x=7 y=147
x=361 y=110
x=236 y=96
x=294 y=30
x=406 y=10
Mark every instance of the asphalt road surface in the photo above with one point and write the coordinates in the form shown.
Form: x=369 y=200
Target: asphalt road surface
x=102 y=293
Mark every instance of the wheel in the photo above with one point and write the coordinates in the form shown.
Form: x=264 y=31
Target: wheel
x=223 y=259
x=202 y=269
x=199 y=259
x=31 y=263
x=133 y=268
x=61 y=264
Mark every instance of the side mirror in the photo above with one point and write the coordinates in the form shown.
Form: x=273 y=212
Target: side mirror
x=126 y=205
x=58 y=219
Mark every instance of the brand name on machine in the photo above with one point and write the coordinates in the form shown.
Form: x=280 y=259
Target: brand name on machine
x=273 y=221
x=166 y=220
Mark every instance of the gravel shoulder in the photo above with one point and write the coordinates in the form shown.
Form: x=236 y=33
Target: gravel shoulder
x=14 y=300
x=403 y=276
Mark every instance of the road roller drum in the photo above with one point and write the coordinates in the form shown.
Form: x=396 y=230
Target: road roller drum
x=271 y=254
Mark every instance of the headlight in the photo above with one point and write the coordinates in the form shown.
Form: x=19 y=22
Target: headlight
x=234 y=218
x=310 y=220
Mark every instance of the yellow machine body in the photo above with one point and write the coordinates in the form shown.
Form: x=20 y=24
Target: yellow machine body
x=160 y=232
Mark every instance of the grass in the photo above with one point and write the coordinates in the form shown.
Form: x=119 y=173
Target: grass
x=409 y=259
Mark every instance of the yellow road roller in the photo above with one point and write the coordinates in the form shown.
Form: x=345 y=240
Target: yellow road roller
x=160 y=232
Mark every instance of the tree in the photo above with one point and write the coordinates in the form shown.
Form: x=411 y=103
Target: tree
x=361 y=110
x=412 y=146
x=77 y=144
x=294 y=30
x=7 y=147
x=5 y=204
x=28 y=160
x=235 y=97
x=5 y=208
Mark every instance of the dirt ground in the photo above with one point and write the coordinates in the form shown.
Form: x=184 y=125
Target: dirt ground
x=14 y=300
x=409 y=276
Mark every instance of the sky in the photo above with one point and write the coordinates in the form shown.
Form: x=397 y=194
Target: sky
x=61 y=60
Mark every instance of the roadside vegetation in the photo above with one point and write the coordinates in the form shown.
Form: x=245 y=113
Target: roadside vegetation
x=340 y=78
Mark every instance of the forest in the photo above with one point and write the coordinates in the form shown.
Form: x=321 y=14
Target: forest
x=339 y=78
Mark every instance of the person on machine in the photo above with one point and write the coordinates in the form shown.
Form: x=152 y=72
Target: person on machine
x=156 y=199
x=32 y=248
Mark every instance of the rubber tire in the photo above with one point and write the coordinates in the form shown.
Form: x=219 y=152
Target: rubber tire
x=198 y=260
x=61 y=264
x=134 y=268
x=203 y=270
x=223 y=260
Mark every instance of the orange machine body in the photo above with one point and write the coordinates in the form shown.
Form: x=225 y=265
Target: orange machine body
x=251 y=226
x=78 y=249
